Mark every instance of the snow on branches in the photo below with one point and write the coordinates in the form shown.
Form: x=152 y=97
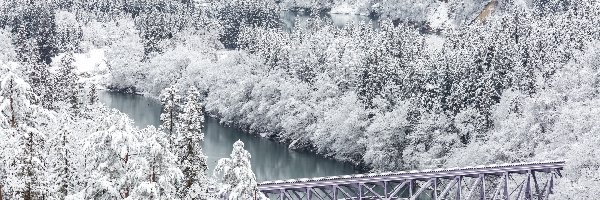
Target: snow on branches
x=236 y=173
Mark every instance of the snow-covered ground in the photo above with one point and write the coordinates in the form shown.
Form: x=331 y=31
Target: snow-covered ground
x=438 y=17
x=92 y=61
x=90 y=66
x=345 y=8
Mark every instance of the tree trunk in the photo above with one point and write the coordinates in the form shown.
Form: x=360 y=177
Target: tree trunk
x=13 y=121
x=65 y=186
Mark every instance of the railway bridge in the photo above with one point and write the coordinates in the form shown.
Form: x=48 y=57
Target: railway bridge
x=513 y=181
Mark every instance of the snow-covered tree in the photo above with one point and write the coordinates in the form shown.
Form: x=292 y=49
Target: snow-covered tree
x=430 y=143
x=343 y=119
x=162 y=172
x=171 y=102
x=238 y=179
x=34 y=31
x=113 y=161
x=93 y=94
x=15 y=97
x=7 y=49
x=77 y=99
x=68 y=30
x=61 y=158
x=25 y=169
x=124 y=57
x=68 y=88
x=192 y=160
x=386 y=138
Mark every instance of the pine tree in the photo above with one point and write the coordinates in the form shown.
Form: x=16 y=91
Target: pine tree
x=75 y=98
x=61 y=152
x=192 y=160
x=25 y=176
x=35 y=21
x=16 y=94
x=162 y=170
x=34 y=32
x=64 y=167
x=114 y=164
x=30 y=164
x=93 y=94
x=237 y=174
x=170 y=100
x=68 y=80
x=39 y=77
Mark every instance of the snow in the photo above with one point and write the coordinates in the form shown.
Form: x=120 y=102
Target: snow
x=90 y=66
x=202 y=3
x=94 y=60
x=343 y=8
x=343 y=92
x=89 y=62
x=434 y=43
x=438 y=17
x=358 y=8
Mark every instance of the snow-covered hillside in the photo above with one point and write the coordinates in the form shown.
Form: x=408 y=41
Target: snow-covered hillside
x=433 y=84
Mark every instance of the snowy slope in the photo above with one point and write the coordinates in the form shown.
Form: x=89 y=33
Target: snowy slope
x=90 y=66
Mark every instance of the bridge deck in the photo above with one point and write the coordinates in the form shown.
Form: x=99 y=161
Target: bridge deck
x=520 y=168
x=427 y=180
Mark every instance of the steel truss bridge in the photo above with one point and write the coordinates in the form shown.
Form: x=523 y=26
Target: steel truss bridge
x=507 y=181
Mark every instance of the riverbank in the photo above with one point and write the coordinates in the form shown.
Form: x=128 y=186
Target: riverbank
x=389 y=99
x=270 y=160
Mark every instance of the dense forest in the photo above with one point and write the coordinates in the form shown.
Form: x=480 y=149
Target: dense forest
x=433 y=84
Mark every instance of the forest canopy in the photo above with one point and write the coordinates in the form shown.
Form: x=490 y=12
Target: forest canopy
x=422 y=84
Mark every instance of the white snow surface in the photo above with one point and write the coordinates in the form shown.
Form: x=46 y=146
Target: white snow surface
x=94 y=60
x=91 y=65
x=435 y=43
x=438 y=17
x=343 y=8
x=359 y=8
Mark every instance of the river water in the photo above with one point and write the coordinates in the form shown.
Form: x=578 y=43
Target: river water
x=270 y=160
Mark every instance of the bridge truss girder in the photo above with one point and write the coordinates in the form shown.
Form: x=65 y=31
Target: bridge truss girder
x=485 y=184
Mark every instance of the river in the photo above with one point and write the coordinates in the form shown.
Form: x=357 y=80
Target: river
x=270 y=160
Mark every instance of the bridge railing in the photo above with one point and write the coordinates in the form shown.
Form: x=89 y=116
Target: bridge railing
x=507 y=181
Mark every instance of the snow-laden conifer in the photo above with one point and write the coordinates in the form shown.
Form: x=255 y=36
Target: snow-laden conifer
x=25 y=156
x=113 y=160
x=170 y=100
x=93 y=94
x=239 y=182
x=161 y=170
x=192 y=160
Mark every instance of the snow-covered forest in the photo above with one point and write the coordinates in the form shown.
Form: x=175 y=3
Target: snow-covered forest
x=435 y=84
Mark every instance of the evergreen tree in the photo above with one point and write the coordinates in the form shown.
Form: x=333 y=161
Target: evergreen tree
x=67 y=78
x=162 y=170
x=15 y=97
x=26 y=169
x=62 y=160
x=114 y=164
x=33 y=30
x=170 y=100
x=30 y=170
x=76 y=99
x=93 y=94
x=237 y=174
x=192 y=160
